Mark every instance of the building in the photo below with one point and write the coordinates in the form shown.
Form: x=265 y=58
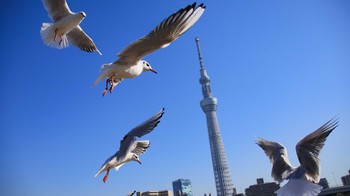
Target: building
x=182 y=187
x=262 y=189
x=155 y=193
x=340 y=190
x=336 y=191
x=324 y=183
x=260 y=180
x=223 y=180
x=346 y=179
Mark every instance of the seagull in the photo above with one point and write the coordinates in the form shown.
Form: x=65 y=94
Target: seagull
x=130 y=63
x=130 y=149
x=303 y=179
x=65 y=27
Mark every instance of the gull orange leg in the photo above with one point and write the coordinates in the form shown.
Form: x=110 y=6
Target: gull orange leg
x=112 y=84
x=54 y=38
x=106 y=176
x=106 y=89
x=109 y=81
x=112 y=87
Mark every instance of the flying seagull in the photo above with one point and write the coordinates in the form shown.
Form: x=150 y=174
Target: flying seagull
x=65 y=27
x=130 y=65
x=303 y=179
x=130 y=149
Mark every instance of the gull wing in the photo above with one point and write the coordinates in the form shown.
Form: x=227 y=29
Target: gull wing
x=165 y=33
x=129 y=141
x=309 y=148
x=281 y=167
x=81 y=40
x=57 y=9
x=140 y=147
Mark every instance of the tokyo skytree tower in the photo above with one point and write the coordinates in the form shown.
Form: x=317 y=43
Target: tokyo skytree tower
x=223 y=180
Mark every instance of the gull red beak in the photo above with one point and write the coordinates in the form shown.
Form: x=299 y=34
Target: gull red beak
x=152 y=70
x=139 y=161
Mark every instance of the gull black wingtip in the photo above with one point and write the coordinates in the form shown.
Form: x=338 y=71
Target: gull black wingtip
x=161 y=112
x=331 y=124
x=334 y=120
x=202 y=5
x=187 y=8
x=193 y=5
x=159 y=116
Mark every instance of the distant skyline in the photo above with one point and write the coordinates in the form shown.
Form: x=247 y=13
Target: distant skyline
x=323 y=180
x=280 y=69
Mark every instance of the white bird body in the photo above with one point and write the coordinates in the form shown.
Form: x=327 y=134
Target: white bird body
x=121 y=70
x=50 y=31
x=299 y=187
x=130 y=63
x=113 y=162
x=67 y=23
x=303 y=179
x=65 y=27
x=130 y=149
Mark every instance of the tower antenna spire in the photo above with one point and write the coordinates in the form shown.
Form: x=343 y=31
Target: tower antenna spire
x=199 y=53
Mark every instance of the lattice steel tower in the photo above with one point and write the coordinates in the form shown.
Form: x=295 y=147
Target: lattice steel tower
x=223 y=180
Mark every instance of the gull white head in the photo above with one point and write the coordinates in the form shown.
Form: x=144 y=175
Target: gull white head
x=83 y=15
x=147 y=67
x=135 y=157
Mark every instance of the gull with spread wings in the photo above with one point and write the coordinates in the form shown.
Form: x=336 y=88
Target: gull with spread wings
x=303 y=179
x=130 y=149
x=130 y=65
x=65 y=28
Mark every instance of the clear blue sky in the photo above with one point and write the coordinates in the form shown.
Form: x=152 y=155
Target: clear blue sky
x=280 y=69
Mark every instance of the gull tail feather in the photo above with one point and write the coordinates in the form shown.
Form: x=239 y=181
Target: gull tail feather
x=47 y=33
x=103 y=73
x=100 y=171
x=299 y=187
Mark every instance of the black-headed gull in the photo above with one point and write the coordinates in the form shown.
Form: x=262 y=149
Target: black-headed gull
x=130 y=149
x=130 y=65
x=65 y=27
x=303 y=179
